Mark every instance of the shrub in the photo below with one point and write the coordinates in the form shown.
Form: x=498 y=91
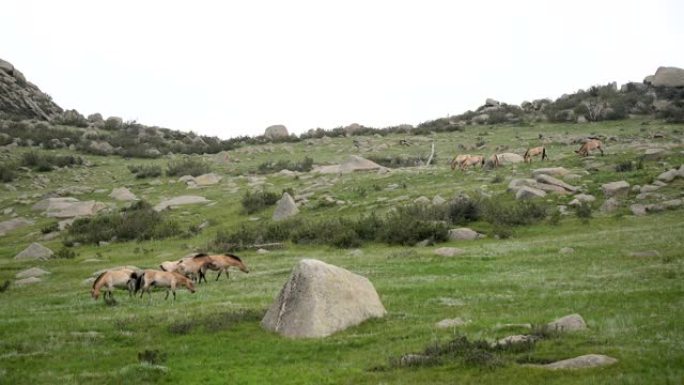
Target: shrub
x=270 y=167
x=65 y=253
x=46 y=162
x=624 y=166
x=7 y=173
x=513 y=213
x=397 y=161
x=188 y=166
x=583 y=211
x=145 y=171
x=49 y=228
x=257 y=201
x=137 y=222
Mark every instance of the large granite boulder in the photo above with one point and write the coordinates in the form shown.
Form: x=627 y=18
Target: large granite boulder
x=35 y=251
x=276 y=131
x=320 y=299
x=668 y=77
x=285 y=208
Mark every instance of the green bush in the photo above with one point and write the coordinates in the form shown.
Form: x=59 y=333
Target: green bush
x=49 y=228
x=145 y=171
x=47 y=162
x=188 y=166
x=65 y=253
x=257 y=201
x=7 y=173
x=137 y=222
x=583 y=211
x=270 y=167
x=515 y=213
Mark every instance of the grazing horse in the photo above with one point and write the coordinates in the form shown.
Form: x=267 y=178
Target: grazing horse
x=170 y=266
x=157 y=278
x=591 y=144
x=458 y=159
x=223 y=262
x=111 y=279
x=493 y=161
x=471 y=160
x=194 y=266
x=535 y=151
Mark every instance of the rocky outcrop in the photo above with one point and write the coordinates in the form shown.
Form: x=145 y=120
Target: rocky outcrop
x=352 y=164
x=35 y=251
x=276 y=132
x=320 y=299
x=21 y=98
x=581 y=362
x=285 y=208
x=180 y=201
x=13 y=224
x=668 y=77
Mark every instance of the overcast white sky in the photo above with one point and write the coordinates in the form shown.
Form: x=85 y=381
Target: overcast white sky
x=229 y=68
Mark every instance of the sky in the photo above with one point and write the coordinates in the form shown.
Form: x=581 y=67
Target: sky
x=232 y=68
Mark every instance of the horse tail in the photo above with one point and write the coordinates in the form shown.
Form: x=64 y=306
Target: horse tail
x=527 y=152
x=544 y=156
x=138 y=281
x=99 y=277
x=162 y=267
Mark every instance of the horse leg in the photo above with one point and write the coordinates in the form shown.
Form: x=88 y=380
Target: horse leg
x=227 y=274
x=600 y=149
x=219 y=274
x=167 y=295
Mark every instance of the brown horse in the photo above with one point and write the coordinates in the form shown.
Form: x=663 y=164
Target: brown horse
x=590 y=145
x=458 y=159
x=493 y=161
x=157 y=278
x=471 y=160
x=535 y=151
x=195 y=266
x=111 y=279
x=221 y=263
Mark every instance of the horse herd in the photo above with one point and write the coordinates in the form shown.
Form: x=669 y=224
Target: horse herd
x=464 y=161
x=184 y=272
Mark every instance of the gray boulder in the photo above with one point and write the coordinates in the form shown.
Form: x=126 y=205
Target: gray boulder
x=438 y=200
x=547 y=179
x=276 y=131
x=569 y=323
x=207 y=179
x=74 y=209
x=320 y=299
x=13 y=224
x=615 y=189
x=509 y=158
x=491 y=102
x=448 y=251
x=582 y=198
x=32 y=272
x=180 y=201
x=638 y=209
x=33 y=252
x=581 y=362
x=285 y=208
x=669 y=77
x=27 y=281
x=463 y=234
x=526 y=192
x=610 y=205
x=553 y=171
x=670 y=175
x=450 y=323
x=101 y=147
x=123 y=194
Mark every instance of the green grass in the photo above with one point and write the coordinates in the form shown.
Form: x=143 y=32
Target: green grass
x=54 y=332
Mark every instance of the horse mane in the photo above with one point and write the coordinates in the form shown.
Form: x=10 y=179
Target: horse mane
x=99 y=277
x=200 y=255
x=233 y=256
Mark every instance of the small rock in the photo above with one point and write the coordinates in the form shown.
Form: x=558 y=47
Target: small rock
x=610 y=205
x=649 y=188
x=422 y=200
x=27 y=281
x=514 y=340
x=670 y=175
x=122 y=194
x=566 y=250
x=645 y=254
x=35 y=251
x=463 y=234
x=450 y=323
x=413 y=359
x=586 y=361
x=32 y=272
x=529 y=193
x=262 y=251
x=13 y=224
x=582 y=198
x=285 y=208
x=614 y=189
x=448 y=251
x=638 y=209
x=553 y=171
x=568 y=323
x=438 y=200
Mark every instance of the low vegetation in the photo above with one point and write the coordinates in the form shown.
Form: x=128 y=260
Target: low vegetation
x=48 y=162
x=187 y=166
x=270 y=167
x=145 y=171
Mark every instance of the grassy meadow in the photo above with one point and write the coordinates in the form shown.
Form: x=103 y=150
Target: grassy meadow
x=54 y=332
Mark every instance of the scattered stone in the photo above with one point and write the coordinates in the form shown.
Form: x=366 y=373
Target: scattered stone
x=582 y=198
x=413 y=359
x=179 y=201
x=572 y=322
x=566 y=250
x=526 y=192
x=654 y=154
x=74 y=190
x=320 y=299
x=27 y=281
x=670 y=175
x=438 y=200
x=463 y=234
x=553 y=171
x=13 y=224
x=448 y=251
x=672 y=204
x=507 y=158
x=207 y=179
x=285 y=208
x=262 y=251
x=610 y=205
x=515 y=340
x=352 y=164
x=615 y=189
x=32 y=272
x=422 y=200
x=35 y=251
x=645 y=254
x=73 y=209
x=638 y=209
x=123 y=194
x=581 y=362
x=649 y=188
x=450 y=323
x=547 y=179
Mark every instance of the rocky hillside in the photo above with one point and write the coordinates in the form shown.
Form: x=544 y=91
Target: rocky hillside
x=20 y=98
